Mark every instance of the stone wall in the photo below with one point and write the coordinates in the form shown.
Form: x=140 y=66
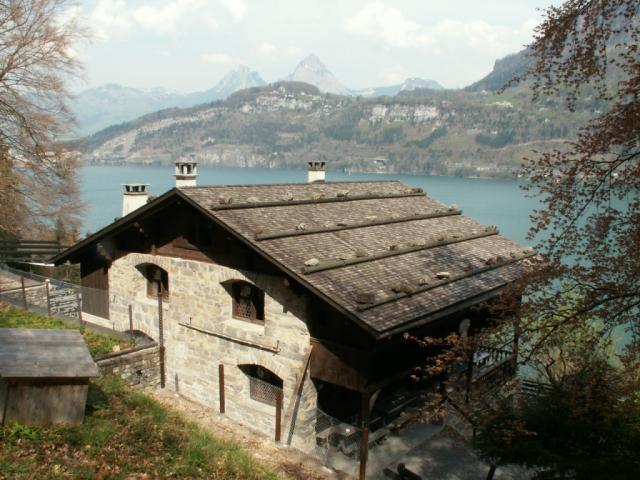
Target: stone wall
x=200 y=334
x=138 y=366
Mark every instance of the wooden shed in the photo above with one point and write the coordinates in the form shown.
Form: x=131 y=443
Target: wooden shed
x=44 y=376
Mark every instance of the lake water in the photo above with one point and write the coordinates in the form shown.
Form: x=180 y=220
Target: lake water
x=491 y=202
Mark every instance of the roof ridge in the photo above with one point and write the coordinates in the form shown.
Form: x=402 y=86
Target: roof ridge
x=339 y=182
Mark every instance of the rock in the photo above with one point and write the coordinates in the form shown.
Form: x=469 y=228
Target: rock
x=312 y=262
x=361 y=253
x=365 y=297
x=343 y=193
x=253 y=200
x=402 y=288
x=443 y=275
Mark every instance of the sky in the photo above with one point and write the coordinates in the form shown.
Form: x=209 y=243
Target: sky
x=188 y=45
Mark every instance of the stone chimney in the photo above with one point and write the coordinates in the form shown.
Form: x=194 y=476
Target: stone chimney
x=135 y=196
x=316 y=172
x=186 y=173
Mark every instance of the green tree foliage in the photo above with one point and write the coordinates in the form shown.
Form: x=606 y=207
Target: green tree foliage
x=584 y=426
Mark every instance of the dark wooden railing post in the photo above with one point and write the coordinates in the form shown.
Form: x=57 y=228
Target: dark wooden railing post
x=221 y=386
x=364 y=440
x=131 y=322
x=278 y=415
x=46 y=285
x=24 y=293
x=161 y=341
x=79 y=303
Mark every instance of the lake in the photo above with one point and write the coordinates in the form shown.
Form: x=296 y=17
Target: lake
x=491 y=202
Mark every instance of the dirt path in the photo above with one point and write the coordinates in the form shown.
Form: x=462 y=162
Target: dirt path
x=294 y=463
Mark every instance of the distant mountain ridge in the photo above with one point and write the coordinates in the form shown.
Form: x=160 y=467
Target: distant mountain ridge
x=112 y=104
x=312 y=71
x=504 y=69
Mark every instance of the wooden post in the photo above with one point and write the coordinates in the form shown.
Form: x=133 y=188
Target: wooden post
x=131 y=322
x=364 y=441
x=221 y=386
x=46 y=284
x=491 y=473
x=79 y=302
x=161 y=341
x=471 y=352
x=278 y=415
x=24 y=293
x=516 y=337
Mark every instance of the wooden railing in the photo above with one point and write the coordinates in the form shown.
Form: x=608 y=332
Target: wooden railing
x=495 y=374
x=22 y=250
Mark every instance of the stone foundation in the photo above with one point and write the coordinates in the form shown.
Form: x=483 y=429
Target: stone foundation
x=138 y=366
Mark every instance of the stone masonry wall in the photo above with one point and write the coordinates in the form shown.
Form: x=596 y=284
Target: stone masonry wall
x=139 y=366
x=200 y=334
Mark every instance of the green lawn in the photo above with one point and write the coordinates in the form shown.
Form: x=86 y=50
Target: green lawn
x=125 y=435
x=98 y=343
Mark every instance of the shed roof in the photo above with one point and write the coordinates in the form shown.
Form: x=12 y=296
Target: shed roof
x=384 y=253
x=44 y=353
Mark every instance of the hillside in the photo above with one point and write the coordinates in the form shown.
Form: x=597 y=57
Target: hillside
x=288 y=123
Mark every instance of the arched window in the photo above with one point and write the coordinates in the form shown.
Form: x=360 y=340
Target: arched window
x=157 y=280
x=264 y=385
x=247 y=302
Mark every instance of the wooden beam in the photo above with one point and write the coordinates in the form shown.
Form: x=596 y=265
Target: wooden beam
x=371 y=223
x=295 y=395
x=221 y=387
x=278 y=415
x=446 y=281
x=364 y=438
x=308 y=201
x=450 y=240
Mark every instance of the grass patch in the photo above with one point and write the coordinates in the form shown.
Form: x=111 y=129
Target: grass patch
x=126 y=434
x=98 y=343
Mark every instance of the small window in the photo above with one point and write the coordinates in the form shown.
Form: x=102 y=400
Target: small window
x=157 y=281
x=248 y=302
x=264 y=385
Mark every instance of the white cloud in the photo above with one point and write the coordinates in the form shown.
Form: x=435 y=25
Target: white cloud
x=236 y=8
x=112 y=17
x=387 y=24
x=109 y=17
x=217 y=58
x=164 y=19
x=211 y=22
x=267 y=49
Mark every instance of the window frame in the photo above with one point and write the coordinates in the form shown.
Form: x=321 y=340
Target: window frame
x=156 y=287
x=261 y=379
x=243 y=302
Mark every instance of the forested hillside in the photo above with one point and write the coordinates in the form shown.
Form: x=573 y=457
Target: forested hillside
x=470 y=133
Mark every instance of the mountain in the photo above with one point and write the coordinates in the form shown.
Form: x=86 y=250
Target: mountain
x=108 y=104
x=285 y=124
x=408 y=85
x=239 y=79
x=312 y=71
x=504 y=70
x=97 y=108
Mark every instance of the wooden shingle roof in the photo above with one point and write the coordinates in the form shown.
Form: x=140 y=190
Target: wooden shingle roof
x=44 y=353
x=383 y=253
x=386 y=253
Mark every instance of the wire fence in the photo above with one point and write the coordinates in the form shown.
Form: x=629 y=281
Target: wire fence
x=56 y=299
x=47 y=296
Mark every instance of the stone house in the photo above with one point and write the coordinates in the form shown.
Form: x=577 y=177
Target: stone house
x=302 y=291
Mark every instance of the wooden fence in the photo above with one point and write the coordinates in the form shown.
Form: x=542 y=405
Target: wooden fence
x=29 y=250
